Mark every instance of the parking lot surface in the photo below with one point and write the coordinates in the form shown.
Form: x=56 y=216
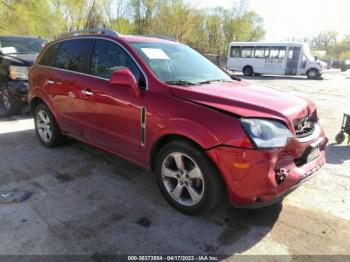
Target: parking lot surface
x=85 y=201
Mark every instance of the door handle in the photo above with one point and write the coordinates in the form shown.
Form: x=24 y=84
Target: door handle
x=49 y=82
x=87 y=92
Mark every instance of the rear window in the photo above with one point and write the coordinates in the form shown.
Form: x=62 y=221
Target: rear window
x=73 y=54
x=48 y=58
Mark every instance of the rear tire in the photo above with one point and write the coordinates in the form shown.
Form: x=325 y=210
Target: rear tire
x=188 y=179
x=248 y=71
x=46 y=128
x=10 y=106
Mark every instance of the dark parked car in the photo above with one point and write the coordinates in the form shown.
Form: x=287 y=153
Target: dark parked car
x=17 y=53
x=342 y=65
x=346 y=66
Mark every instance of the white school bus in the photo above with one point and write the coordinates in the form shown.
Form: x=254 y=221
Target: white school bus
x=273 y=58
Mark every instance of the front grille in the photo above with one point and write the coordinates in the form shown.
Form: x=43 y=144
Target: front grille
x=305 y=126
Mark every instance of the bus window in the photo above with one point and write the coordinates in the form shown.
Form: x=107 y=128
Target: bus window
x=267 y=52
x=260 y=52
x=282 y=53
x=274 y=52
x=247 y=52
x=290 y=54
x=278 y=52
x=235 y=51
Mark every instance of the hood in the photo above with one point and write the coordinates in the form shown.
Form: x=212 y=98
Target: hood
x=22 y=59
x=246 y=100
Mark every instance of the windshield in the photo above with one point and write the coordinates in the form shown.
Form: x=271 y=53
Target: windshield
x=179 y=64
x=21 y=45
x=307 y=52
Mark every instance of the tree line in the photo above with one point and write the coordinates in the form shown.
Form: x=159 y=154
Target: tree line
x=337 y=48
x=207 y=30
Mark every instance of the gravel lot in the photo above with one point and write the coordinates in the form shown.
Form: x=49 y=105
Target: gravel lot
x=89 y=202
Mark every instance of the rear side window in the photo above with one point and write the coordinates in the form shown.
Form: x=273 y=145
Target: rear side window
x=107 y=57
x=73 y=54
x=48 y=58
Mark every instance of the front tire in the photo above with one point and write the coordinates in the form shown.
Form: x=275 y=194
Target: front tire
x=313 y=74
x=188 y=179
x=10 y=106
x=46 y=128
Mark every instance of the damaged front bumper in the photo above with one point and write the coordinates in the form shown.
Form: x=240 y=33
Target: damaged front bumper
x=258 y=178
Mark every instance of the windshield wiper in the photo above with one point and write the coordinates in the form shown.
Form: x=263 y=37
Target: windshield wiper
x=180 y=83
x=212 y=81
x=31 y=53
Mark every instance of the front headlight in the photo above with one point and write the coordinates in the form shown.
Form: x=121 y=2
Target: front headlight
x=18 y=72
x=266 y=133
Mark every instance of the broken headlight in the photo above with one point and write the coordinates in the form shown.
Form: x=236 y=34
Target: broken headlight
x=266 y=133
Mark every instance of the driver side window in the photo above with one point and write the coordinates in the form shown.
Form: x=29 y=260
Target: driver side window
x=107 y=57
x=303 y=61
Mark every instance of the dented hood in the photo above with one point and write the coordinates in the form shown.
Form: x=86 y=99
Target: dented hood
x=246 y=100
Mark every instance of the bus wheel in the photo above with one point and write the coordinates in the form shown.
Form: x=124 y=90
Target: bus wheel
x=248 y=71
x=313 y=74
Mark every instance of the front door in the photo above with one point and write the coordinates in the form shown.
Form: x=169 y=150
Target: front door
x=112 y=114
x=293 y=60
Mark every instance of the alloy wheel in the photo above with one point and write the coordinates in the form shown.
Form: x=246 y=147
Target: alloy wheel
x=183 y=179
x=44 y=126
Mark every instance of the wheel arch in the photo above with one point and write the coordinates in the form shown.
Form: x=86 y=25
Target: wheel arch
x=35 y=101
x=165 y=139
x=313 y=69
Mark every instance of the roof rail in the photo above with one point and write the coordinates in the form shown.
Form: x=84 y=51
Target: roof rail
x=102 y=31
x=169 y=38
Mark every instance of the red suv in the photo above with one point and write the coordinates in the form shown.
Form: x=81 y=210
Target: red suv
x=163 y=106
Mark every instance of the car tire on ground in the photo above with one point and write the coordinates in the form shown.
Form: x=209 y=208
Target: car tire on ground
x=248 y=71
x=9 y=105
x=46 y=128
x=188 y=179
x=313 y=73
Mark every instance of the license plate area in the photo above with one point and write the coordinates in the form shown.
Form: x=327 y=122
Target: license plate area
x=314 y=153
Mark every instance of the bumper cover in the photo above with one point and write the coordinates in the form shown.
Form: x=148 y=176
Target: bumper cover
x=251 y=175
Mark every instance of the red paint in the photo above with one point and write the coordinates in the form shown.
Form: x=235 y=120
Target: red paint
x=111 y=120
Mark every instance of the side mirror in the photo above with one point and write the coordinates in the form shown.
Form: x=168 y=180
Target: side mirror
x=124 y=77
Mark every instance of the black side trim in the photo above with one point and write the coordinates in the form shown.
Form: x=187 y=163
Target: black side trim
x=143 y=126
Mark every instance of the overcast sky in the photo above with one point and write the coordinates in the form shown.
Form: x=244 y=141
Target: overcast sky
x=284 y=19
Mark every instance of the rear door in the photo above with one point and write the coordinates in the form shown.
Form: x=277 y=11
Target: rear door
x=66 y=85
x=293 y=58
